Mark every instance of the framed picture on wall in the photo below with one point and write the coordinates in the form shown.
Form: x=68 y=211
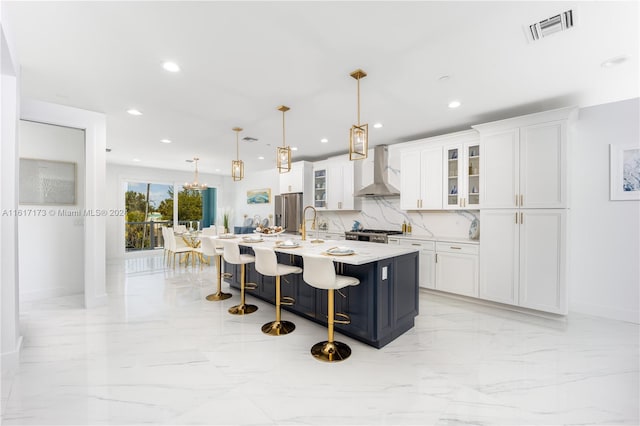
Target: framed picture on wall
x=624 y=172
x=259 y=196
x=47 y=182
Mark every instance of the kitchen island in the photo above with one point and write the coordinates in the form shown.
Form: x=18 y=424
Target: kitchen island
x=382 y=307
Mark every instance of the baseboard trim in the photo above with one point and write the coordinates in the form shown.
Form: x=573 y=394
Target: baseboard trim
x=10 y=360
x=616 y=314
x=626 y=315
x=34 y=296
x=501 y=306
x=93 y=302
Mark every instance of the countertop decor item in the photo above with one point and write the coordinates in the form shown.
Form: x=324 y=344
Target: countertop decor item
x=474 y=229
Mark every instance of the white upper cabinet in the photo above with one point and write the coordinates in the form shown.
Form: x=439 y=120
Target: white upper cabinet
x=334 y=185
x=421 y=178
x=524 y=161
x=442 y=172
x=320 y=185
x=293 y=180
x=299 y=179
x=462 y=175
x=543 y=165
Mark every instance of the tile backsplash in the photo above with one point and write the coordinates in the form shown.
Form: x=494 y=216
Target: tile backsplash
x=385 y=213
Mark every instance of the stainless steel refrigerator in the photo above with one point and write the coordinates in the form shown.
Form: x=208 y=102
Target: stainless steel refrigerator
x=288 y=211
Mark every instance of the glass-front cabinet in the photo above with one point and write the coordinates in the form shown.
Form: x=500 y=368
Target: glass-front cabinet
x=473 y=175
x=320 y=187
x=462 y=180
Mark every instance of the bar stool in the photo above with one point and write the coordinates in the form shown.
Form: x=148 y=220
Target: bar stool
x=209 y=249
x=232 y=255
x=319 y=272
x=267 y=264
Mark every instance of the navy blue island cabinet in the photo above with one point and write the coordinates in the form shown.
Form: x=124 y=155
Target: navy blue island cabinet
x=382 y=307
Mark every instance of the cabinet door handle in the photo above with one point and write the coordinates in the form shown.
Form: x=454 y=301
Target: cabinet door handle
x=417 y=204
x=436 y=257
x=521 y=218
x=416 y=244
x=455 y=248
x=516 y=200
x=521 y=200
x=516 y=218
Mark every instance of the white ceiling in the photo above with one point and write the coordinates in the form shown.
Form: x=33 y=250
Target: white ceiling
x=240 y=60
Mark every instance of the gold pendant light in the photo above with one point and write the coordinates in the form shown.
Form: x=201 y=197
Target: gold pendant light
x=237 y=165
x=195 y=185
x=283 y=153
x=359 y=134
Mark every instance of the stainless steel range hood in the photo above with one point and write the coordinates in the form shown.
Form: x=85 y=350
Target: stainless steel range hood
x=380 y=187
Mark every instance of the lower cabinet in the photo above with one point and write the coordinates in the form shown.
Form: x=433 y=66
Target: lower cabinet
x=427 y=262
x=457 y=268
x=524 y=257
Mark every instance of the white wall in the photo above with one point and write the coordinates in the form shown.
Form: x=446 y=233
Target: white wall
x=254 y=180
x=9 y=276
x=55 y=242
x=605 y=239
x=117 y=177
x=94 y=126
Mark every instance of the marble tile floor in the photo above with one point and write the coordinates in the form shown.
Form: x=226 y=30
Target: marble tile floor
x=159 y=353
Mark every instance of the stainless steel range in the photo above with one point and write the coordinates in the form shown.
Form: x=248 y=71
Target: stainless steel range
x=371 y=235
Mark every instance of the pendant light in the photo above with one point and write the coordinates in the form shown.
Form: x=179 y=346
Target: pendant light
x=237 y=165
x=195 y=185
x=359 y=134
x=283 y=153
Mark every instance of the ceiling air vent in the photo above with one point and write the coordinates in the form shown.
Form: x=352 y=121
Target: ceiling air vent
x=546 y=27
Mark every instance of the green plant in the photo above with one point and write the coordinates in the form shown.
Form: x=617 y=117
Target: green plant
x=225 y=220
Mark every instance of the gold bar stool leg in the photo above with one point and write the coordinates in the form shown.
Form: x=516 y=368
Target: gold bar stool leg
x=242 y=308
x=278 y=327
x=219 y=295
x=330 y=350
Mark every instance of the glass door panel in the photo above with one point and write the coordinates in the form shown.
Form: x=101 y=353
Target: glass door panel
x=453 y=168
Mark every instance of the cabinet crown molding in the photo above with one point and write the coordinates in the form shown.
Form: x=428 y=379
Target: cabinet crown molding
x=567 y=113
x=470 y=135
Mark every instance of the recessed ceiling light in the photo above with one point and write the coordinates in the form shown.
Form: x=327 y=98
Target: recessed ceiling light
x=134 y=112
x=294 y=148
x=454 y=104
x=615 y=61
x=324 y=140
x=171 y=66
x=444 y=78
x=261 y=158
x=377 y=126
x=136 y=160
x=217 y=170
x=165 y=140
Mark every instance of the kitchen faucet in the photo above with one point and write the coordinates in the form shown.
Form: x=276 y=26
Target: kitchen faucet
x=303 y=227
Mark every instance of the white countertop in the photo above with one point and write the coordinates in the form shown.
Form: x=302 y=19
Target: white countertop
x=365 y=252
